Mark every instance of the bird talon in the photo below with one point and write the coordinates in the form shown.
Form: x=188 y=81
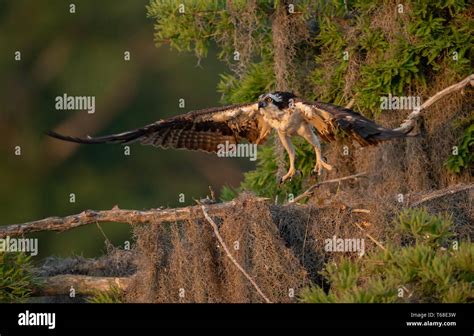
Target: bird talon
x=284 y=179
x=320 y=166
x=289 y=176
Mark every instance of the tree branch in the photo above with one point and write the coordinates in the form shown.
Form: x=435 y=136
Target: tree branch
x=82 y=284
x=410 y=120
x=309 y=192
x=172 y=215
x=443 y=192
x=114 y=215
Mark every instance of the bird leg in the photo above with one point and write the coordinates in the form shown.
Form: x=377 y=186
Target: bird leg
x=286 y=142
x=307 y=133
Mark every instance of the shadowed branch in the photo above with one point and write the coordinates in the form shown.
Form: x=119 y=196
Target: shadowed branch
x=82 y=284
x=410 y=120
x=310 y=191
x=114 y=215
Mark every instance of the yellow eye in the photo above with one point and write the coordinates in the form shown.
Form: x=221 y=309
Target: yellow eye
x=268 y=100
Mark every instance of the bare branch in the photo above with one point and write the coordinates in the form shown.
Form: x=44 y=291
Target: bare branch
x=172 y=215
x=309 y=192
x=231 y=257
x=410 y=120
x=360 y=210
x=114 y=215
x=443 y=192
x=82 y=284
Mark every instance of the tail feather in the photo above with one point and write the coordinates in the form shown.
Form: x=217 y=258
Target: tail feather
x=388 y=134
x=367 y=132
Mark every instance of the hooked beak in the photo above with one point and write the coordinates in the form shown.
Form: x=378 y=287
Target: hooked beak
x=262 y=104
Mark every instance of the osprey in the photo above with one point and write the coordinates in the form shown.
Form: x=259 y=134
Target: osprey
x=206 y=129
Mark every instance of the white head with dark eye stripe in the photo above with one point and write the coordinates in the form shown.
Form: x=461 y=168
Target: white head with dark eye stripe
x=277 y=100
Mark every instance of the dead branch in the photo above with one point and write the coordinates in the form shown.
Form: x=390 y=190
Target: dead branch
x=410 y=120
x=82 y=284
x=117 y=215
x=360 y=210
x=309 y=192
x=443 y=192
x=115 y=259
x=231 y=257
x=114 y=215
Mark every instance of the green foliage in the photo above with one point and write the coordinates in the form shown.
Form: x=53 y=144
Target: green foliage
x=424 y=228
x=464 y=158
x=400 y=59
x=114 y=295
x=391 y=76
x=179 y=30
x=441 y=33
x=372 y=39
x=228 y=193
x=263 y=181
x=258 y=79
x=428 y=270
x=16 y=277
x=205 y=22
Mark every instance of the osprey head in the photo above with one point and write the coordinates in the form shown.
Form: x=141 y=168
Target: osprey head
x=275 y=100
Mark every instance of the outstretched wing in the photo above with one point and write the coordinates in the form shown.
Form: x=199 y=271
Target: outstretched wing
x=329 y=119
x=196 y=130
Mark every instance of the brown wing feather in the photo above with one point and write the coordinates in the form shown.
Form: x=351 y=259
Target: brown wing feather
x=328 y=119
x=196 y=130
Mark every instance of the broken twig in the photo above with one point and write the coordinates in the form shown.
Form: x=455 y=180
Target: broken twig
x=81 y=284
x=309 y=192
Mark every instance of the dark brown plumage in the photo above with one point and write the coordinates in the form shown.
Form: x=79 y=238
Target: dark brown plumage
x=329 y=119
x=196 y=130
x=208 y=129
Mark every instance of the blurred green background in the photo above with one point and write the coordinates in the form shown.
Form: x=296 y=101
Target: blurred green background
x=83 y=54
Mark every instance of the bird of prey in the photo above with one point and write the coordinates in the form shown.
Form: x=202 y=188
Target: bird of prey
x=289 y=115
